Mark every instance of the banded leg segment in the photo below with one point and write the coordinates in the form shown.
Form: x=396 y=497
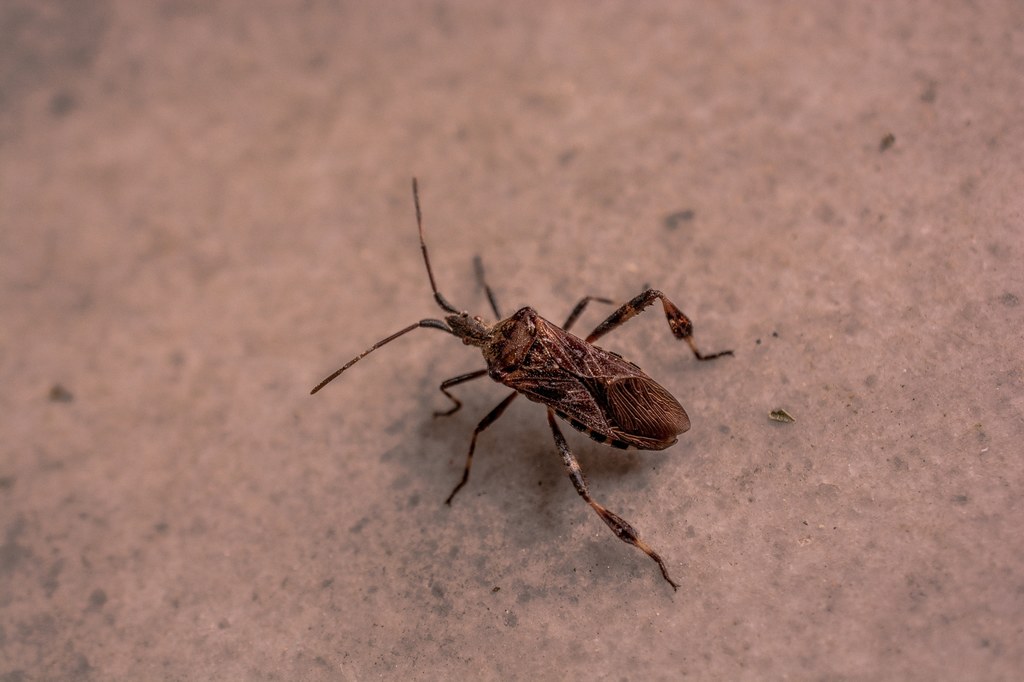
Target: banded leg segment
x=680 y=324
x=619 y=525
x=491 y=417
x=455 y=381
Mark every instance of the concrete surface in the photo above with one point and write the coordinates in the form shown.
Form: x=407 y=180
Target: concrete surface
x=204 y=209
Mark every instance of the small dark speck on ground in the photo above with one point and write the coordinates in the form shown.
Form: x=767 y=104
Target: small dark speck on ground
x=59 y=394
x=62 y=103
x=97 y=599
x=930 y=92
x=674 y=220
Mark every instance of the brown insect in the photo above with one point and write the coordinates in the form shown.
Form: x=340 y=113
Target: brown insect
x=597 y=391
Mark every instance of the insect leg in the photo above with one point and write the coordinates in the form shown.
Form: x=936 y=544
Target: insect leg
x=680 y=324
x=478 y=265
x=491 y=417
x=455 y=381
x=578 y=310
x=619 y=525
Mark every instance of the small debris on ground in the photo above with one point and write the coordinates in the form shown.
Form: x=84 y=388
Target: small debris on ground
x=781 y=415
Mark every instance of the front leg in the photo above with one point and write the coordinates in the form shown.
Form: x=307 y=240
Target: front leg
x=455 y=381
x=580 y=307
x=680 y=324
x=619 y=525
x=478 y=266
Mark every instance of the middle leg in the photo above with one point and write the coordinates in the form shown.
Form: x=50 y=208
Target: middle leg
x=491 y=417
x=619 y=525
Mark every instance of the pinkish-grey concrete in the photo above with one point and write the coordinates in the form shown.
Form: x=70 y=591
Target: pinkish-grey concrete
x=205 y=208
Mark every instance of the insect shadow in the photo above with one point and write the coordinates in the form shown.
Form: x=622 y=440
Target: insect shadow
x=596 y=391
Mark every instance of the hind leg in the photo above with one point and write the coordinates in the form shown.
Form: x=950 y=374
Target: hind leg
x=680 y=324
x=619 y=525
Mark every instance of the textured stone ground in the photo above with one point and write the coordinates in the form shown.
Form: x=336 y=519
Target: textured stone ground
x=205 y=208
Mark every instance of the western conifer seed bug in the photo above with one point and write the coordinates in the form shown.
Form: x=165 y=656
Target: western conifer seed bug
x=596 y=391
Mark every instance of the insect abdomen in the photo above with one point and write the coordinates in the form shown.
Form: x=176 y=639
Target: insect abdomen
x=603 y=438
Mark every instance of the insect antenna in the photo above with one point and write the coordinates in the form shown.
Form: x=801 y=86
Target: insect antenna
x=441 y=301
x=435 y=324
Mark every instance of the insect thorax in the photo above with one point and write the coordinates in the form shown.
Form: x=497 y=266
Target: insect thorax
x=510 y=340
